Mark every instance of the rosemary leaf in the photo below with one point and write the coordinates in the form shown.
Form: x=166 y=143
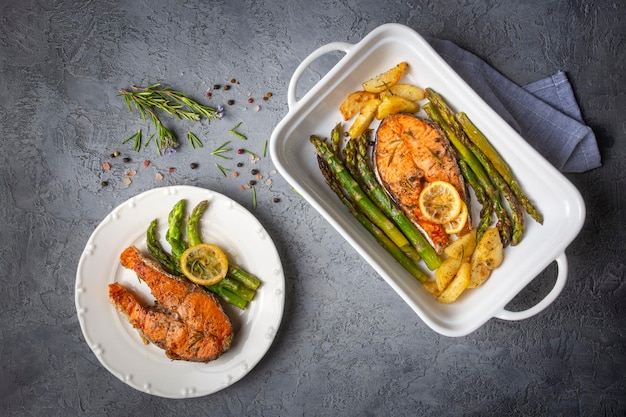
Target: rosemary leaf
x=222 y=169
x=234 y=132
x=193 y=140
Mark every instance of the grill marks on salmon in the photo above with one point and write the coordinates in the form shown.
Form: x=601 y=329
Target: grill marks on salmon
x=410 y=153
x=186 y=321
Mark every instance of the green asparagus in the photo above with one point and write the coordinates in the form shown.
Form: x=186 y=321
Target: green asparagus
x=477 y=137
x=193 y=234
x=378 y=234
x=378 y=194
x=358 y=195
x=174 y=234
x=503 y=220
x=156 y=250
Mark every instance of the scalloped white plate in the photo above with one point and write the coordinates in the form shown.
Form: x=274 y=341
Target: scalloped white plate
x=118 y=346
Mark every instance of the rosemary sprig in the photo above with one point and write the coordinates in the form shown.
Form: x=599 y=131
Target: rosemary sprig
x=265 y=149
x=136 y=138
x=222 y=169
x=154 y=97
x=234 y=132
x=220 y=150
x=194 y=141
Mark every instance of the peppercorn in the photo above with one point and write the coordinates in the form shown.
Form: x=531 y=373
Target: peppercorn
x=240 y=151
x=239 y=164
x=216 y=86
x=233 y=81
x=276 y=200
x=127 y=159
x=254 y=171
x=265 y=98
x=231 y=102
x=252 y=182
x=193 y=165
x=172 y=169
x=209 y=94
x=250 y=100
x=104 y=183
x=227 y=87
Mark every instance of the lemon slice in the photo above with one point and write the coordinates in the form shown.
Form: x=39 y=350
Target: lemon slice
x=204 y=264
x=456 y=225
x=440 y=202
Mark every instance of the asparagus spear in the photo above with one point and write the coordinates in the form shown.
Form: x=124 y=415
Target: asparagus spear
x=247 y=279
x=486 y=210
x=378 y=234
x=174 y=234
x=193 y=234
x=335 y=138
x=379 y=197
x=517 y=214
x=157 y=251
x=477 y=137
x=358 y=195
x=228 y=289
x=378 y=194
x=504 y=222
x=235 y=273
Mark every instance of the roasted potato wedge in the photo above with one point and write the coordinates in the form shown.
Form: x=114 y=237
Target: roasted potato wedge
x=431 y=287
x=489 y=250
x=354 y=103
x=385 y=80
x=407 y=91
x=364 y=119
x=463 y=247
x=457 y=286
x=446 y=272
x=395 y=104
x=478 y=275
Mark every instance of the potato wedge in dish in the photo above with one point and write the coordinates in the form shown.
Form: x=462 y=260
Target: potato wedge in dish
x=407 y=91
x=395 y=104
x=385 y=80
x=457 y=286
x=463 y=247
x=354 y=102
x=489 y=250
x=478 y=275
x=447 y=271
x=364 y=119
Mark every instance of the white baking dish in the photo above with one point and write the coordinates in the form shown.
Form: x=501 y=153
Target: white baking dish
x=317 y=112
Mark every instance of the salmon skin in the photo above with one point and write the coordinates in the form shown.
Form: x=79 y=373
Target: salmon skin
x=409 y=153
x=187 y=321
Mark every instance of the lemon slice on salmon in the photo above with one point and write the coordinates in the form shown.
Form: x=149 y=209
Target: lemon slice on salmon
x=456 y=225
x=204 y=264
x=440 y=202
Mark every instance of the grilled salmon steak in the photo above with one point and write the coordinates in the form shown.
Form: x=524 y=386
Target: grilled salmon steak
x=410 y=153
x=187 y=321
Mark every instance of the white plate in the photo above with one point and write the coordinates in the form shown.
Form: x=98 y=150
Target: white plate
x=317 y=112
x=119 y=347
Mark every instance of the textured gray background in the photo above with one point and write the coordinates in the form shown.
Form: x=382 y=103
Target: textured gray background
x=347 y=344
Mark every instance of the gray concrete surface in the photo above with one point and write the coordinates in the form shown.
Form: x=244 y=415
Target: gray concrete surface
x=347 y=345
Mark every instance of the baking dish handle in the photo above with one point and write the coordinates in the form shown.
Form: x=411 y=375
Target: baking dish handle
x=293 y=83
x=561 y=277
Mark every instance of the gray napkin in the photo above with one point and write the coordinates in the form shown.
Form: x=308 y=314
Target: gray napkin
x=545 y=113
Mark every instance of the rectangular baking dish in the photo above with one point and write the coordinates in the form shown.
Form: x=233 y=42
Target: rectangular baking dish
x=317 y=113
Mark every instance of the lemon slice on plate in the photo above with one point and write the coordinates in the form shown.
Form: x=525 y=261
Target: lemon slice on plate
x=440 y=202
x=204 y=264
x=456 y=225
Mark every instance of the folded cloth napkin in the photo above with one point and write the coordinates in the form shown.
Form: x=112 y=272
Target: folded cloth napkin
x=545 y=113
